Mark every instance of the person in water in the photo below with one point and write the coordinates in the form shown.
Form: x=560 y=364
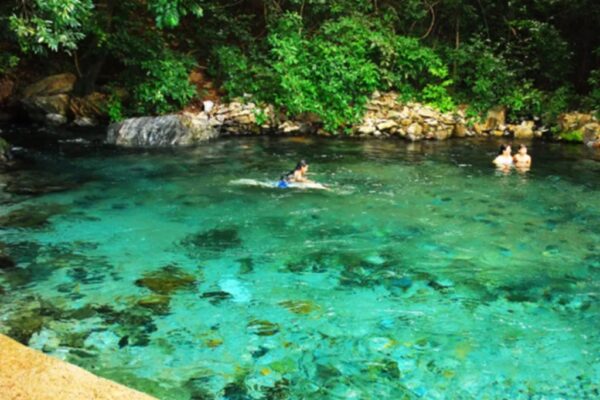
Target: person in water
x=504 y=159
x=522 y=160
x=297 y=175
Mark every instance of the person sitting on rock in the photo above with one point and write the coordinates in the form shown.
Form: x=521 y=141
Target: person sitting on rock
x=504 y=159
x=297 y=175
x=522 y=160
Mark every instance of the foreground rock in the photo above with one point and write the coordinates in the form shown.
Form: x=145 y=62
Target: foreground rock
x=29 y=374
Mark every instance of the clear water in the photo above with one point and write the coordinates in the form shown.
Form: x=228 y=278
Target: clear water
x=424 y=273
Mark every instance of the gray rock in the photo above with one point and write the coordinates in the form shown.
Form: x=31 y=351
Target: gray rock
x=56 y=119
x=163 y=131
x=85 y=122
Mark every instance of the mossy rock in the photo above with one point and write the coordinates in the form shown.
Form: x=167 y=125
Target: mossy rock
x=217 y=296
x=215 y=239
x=383 y=369
x=30 y=217
x=262 y=327
x=22 y=328
x=159 y=304
x=167 y=280
x=572 y=136
x=299 y=306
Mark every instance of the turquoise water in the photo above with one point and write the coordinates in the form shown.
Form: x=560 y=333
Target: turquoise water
x=423 y=273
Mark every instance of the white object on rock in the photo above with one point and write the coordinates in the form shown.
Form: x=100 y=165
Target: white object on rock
x=208 y=105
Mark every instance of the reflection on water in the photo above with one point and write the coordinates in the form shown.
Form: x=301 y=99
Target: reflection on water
x=422 y=274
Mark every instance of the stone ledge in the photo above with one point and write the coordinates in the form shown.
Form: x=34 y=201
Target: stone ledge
x=27 y=374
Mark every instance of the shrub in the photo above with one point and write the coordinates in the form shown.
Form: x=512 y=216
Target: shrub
x=332 y=72
x=165 y=86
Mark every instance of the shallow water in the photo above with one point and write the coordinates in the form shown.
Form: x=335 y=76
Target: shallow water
x=423 y=273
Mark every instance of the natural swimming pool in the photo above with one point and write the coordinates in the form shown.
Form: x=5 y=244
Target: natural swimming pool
x=424 y=273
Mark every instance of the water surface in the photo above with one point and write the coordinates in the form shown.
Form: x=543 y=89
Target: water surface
x=423 y=273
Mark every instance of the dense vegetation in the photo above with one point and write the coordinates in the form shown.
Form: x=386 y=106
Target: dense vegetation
x=537 y=57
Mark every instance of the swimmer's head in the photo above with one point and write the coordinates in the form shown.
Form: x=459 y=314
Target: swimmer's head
x=504 y=150
x=301 y=166
x=522 y=149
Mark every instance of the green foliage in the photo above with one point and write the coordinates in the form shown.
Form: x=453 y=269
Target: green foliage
x=168 y=13
x=484 y=79
x=332 y=72
x=539 y=52
x=8 y=62
x=115 y=108
x=261 y=117
x=593 y=99
x=321 y=57
x=557 y=102
x=165 y=86
x=438 y=97
x=573 y=136
x=523 y=101
x=57 y=25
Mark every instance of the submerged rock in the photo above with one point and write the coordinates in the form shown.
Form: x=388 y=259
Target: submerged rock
x=299 y=306
x=167 y=280
x=36 y=187
x=159 y=304
x=262 y=327
x=6 y=262
x=217 y=296
x=214 y=239
x=30 y=217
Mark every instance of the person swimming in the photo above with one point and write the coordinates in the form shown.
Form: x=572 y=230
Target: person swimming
x=297 y=175
x=504 y=159
x=522 y=160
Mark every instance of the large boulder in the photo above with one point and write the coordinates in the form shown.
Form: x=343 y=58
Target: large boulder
x=163 y=131
x=48 y=100
x=48 y=108
x=574 y=126
x=52 y=85
x=496 y=117
x=524 y=130
x=573 y=121
x=591 y=134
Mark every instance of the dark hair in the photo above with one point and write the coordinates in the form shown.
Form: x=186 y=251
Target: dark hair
x=522 y=146
x=503 y=147
x=301 y=163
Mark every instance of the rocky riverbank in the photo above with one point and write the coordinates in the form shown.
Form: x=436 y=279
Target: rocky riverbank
x=51 y=101
x=385 y=117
